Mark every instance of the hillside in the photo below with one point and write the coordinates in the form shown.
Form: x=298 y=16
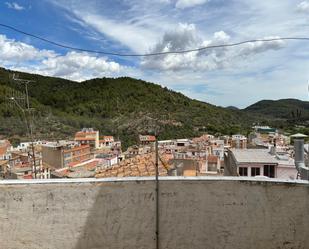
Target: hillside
x=123 y=107
x=286 y=109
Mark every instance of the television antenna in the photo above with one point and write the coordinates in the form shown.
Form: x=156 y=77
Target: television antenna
x=22 y=102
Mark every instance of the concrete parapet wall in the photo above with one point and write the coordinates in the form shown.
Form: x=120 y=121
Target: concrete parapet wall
x=200 y=212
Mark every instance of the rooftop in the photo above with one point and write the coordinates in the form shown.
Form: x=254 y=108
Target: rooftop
x=59 y=143
x=141 y=165
x=299 y=135
x=253 y=156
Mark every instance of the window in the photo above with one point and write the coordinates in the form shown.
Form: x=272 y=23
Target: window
x=255 y=171
x=243 y=171
x=269 y=171
x=67 y=155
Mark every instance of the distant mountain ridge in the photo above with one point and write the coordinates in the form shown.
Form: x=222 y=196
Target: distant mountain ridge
x=232 y=107
x=288 y=109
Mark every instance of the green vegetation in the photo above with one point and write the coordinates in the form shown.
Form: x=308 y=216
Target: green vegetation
x=293 y=110
x=123 y=107
x=290 y=115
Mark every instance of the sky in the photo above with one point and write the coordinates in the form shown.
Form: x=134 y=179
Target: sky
x=237 y=76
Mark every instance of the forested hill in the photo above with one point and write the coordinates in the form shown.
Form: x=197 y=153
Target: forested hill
x=287 y=109
x=123 y=107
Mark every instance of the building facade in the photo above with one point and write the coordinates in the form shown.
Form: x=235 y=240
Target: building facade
x=259 y=162
x=65 y=154
x=147 y=139
x=88 y=136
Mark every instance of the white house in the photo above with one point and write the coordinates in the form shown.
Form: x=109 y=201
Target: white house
x=259 y=162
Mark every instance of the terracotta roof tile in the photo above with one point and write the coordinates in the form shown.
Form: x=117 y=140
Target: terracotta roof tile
x=141 y=165
x=3 y=150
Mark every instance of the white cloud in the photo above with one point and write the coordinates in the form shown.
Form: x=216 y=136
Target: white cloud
x=261 y=46
x=186 y=37
x=303 y=7
x=136 y=38
x=73 y=65
x=14 y=6
x=78 y=66
x=183 y=4
x=132 y=28
x=12 y=51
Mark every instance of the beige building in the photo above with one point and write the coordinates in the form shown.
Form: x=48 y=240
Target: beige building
x=88 y=136
x=64 y=154
x=147 y=139
x=238 y=141
x=107 y=141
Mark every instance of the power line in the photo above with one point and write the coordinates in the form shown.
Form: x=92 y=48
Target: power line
x=151 y=54
x=27 y=115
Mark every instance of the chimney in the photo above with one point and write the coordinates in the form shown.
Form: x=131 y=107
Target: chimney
x=273 y=150
x=299 y=156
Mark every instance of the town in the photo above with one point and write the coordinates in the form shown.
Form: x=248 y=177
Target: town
x=168 y=124
x=265 y=153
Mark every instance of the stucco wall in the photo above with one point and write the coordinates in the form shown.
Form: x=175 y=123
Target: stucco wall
x=52 y=156
x=286 y=172
x=205 y=212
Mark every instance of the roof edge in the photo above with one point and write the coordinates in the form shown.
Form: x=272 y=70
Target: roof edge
x=150 y=178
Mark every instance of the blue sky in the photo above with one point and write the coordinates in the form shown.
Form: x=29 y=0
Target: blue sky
x=236 y=76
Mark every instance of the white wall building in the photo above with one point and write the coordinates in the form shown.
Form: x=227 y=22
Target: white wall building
x=259 y=162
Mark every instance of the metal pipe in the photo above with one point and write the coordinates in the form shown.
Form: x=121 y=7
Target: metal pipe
x=157 y=196
x=303 y=171
x=299 y=151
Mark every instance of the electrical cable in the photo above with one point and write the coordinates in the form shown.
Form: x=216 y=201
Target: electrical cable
x=155 y=53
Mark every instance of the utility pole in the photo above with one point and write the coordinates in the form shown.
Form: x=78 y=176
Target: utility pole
x=156 y=130
x=27 y=115
x=118 y=119
x=157 y=195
